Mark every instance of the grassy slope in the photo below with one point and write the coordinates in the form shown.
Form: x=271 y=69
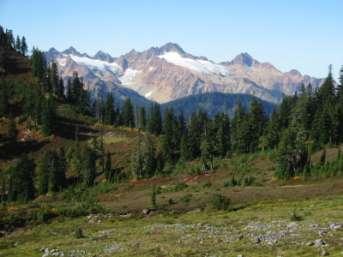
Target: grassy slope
x=196 y=233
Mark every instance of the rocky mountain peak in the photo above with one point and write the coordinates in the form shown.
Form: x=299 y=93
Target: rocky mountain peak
x=71 y=50
x=100 y=55
x=244 y=59
x=171 y=47
x=294 y=72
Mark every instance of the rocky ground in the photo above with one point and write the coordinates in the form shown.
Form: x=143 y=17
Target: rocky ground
x=282 y=228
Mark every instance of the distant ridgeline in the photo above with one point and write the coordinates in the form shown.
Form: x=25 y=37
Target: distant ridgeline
x=214 y=103
x=32 y=92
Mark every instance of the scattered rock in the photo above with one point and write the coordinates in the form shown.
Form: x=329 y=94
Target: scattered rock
x=335 y=226
x=257 y=240
x=310 y=243
x=319 y=242
x=98 y=218
x=146 y=211
x=126 y=215
x=113 y=248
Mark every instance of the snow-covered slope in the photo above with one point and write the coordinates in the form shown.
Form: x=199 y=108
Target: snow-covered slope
x=167 y=73
x=198 y=65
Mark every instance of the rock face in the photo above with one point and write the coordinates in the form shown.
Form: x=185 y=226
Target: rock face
x=168 y=73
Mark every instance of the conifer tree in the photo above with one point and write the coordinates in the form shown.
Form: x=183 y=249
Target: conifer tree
x=292 y=154
x=148 y=157
x=60 y=88
x=23 y=46
x=42 y=171
x=142 y=118
x=4 y=104
x=54 y=79
x=257 y=119
x=18 y=44
x=127 y=114
x=89 y=167
x=48 y=116
x=108 y=169
x=207 y=153
x=222 y=135
x=137 y=160
x=155 y=120
x=185 y=153
x=38 y=64
x=109 y=112
x=21 y=186
x=241 y=130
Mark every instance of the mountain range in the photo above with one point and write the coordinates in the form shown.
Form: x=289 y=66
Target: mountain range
x=168 y=73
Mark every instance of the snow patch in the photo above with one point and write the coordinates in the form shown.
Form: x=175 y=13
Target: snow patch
x=147 y=95
x=62 y=61
x=129 y=76
x=198 y=65
x=98 y=64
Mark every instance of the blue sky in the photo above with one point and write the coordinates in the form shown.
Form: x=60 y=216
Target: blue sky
x=304 y=34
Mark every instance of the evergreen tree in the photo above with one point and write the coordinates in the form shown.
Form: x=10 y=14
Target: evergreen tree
x=222 y=135
x=89 y=167
x=61 y=169
x=207 y=153
x=127 y=114
x=142 y=118
x=143 y=161
x=23 y=47
x=271 y=133
x=292 y=155
x=48 y=116
x=21 y=186
x=18 y=44
x=137 y=161
x=196 y=129
x=109 y=174
x=38 y=64
x=257 y=119
x=148 y=157
x=170 y=138
x=42 y=171
x=155 y=120
x=4 y=104
x=185 y=153
x=60 y=88
x=109 y=111
x=9 y=39
x=54 y=79
x=326 y=121
x=69 y=93
x=241 y=130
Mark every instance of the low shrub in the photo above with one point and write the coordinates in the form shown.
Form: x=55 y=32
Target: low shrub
x=186 y=198
x=220 y=202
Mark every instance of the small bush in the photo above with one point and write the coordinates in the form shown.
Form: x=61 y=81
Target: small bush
x=186 y=198
x=207 y=185
x=180 y=186
x=296 y=216
x=220 y=202
x=79 y=233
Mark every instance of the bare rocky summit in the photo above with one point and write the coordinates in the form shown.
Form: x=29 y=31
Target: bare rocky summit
x=167 y=73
